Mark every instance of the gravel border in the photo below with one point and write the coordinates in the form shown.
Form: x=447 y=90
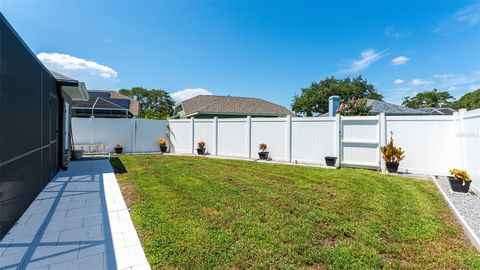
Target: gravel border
x=465 y=207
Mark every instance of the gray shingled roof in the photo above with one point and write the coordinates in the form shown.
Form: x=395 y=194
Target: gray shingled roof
x=379 y=106
x=210 y=104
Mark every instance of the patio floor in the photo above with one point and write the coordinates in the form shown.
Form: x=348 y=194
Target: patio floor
x=79 y=221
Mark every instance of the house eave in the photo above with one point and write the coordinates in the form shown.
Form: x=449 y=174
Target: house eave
x=76 y=92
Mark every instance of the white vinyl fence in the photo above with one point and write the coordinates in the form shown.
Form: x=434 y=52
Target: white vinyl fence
x=470 y=143
x=136 y=135
x=432 y=144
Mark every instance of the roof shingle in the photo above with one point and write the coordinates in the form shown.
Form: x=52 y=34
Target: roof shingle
x=232 y=105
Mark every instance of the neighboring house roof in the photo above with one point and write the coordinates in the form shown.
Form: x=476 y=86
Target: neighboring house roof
x=109 y=99
x=438 y=111
x=210 y=104
x=379 y=106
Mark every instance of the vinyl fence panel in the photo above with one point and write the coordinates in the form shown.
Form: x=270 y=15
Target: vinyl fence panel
x=181 y=136
x=313 y=139
x=147 y=133
x=205 y=131
x=271 y=131
x=360 y=141
x=471 y=144
x=81 y=129
x=112 y=131
x=429 y=142
x=232 y=137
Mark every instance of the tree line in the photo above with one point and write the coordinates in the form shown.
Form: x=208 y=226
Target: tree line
x=313 y=100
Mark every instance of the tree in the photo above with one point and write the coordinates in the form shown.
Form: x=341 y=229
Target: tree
x=433 y=98
x=469 y=101
x=154 y=103
x=314 y=99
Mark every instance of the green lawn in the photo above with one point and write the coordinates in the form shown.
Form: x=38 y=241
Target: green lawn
x=204 y=213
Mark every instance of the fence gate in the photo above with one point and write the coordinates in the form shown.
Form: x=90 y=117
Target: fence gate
x=360 y=138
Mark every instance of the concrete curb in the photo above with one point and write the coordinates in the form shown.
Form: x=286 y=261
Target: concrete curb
x=466 y=228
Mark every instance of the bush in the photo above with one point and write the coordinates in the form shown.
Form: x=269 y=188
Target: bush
x=354 y=107
x=392 y=154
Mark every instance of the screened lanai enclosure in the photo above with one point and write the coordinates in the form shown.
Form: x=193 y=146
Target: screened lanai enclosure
x=99 y=105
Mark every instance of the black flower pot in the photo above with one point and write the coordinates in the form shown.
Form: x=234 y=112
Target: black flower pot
x=330 y=161
x=201 y=151
x=456 y=185
x=263 y=155
x=77 y=154
x=163 y=148
x=392 y=167
x=118 y=150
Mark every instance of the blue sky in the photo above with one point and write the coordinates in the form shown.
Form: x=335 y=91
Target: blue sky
x=259 y=49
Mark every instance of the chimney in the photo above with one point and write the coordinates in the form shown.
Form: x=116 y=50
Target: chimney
x=333 y=104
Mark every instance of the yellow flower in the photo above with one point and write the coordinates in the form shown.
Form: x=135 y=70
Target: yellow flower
x=461 y=175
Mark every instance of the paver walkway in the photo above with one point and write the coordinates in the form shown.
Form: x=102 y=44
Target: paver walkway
x=79 y=221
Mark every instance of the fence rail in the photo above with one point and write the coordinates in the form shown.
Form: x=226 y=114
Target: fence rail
x=432 y=144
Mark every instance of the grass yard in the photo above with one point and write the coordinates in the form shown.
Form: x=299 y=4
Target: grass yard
x=204 y=213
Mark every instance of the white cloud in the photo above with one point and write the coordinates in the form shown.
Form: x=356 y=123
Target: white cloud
x=399 y=81
x=450 y=79
x=393 y=32
x=189 y=93
x=418 y=82
x=400 y=60
x=367 y=58
x=471 y=87
x=64 y=62
x=461 y=20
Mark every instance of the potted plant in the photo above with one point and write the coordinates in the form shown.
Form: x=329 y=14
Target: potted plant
x=330 y=160
x=460 y=182
x=163 y=145
x=201 y=148
x=118 y=148
x=392 y=156
x=77 y=154
x=263 y=153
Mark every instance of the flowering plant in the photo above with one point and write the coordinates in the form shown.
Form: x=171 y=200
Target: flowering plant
x=461 y=175
x=354 y=107
x=118 y=145
x=392 y=154
x=162 y=142
x=262 y=147
x=201 y=145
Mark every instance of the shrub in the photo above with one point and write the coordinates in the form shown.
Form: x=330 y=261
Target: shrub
x=354 y=107
x=262 y=147
x=461 y=175
x=392 y=154
x=201 y=145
